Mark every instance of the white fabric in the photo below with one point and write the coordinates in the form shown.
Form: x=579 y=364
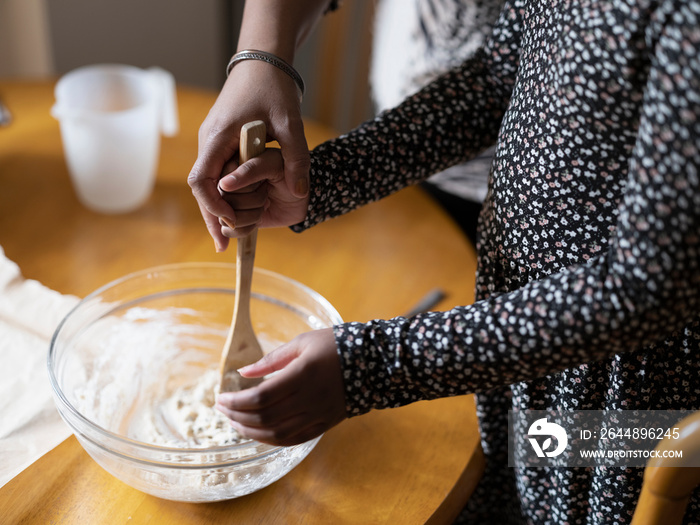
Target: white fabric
x=416 y=41
x=394 y=49
x=29 y=422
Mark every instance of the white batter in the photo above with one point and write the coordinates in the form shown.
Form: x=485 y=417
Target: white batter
x=152 y=376
x=165 y=397
x=187 y=418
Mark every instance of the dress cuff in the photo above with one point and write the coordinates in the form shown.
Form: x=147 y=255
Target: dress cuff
x=321 y=175
x=371 y=382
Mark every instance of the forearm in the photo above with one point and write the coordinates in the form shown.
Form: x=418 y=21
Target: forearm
x=578 y=317
x=279 y=26
x=450 y=121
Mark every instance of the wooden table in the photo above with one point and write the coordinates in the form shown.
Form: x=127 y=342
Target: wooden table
x=415 y=464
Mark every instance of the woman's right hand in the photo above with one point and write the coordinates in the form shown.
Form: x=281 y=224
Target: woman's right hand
x=255 y=90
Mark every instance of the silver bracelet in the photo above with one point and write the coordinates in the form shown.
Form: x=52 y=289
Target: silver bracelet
x=254 y=54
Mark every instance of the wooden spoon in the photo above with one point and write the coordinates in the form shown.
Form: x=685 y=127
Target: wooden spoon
x=242 y=346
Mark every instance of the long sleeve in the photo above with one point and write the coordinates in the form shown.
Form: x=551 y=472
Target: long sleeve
x=451 y=120
x=644 y=287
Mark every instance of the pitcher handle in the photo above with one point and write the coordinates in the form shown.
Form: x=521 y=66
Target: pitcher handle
x=165 y=85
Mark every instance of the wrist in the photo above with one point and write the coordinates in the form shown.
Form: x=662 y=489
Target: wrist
x=284 y=49
x=279 y=26
x=272 y=60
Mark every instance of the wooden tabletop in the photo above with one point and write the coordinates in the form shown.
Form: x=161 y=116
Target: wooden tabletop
x=415 y=464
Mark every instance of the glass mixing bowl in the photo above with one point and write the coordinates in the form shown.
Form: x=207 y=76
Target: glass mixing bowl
x=134 y=342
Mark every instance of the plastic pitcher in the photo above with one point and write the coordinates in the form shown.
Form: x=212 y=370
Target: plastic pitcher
x=111 y=118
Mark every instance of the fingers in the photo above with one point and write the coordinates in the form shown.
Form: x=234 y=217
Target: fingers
x=281 y=414
x=212 y=207
x=203 y=180
x=249 y=207
x=246 y=189
x=293 y=431
x=266 y=166
x=249 y=204
x=303 y=399
x=237 y=232
x=297 y=161
x=268 y=393
x=221 y=240
x=271 y=362
x=248 y=198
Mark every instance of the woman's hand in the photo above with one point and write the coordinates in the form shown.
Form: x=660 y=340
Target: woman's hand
x=258 y=194
x=302 y=400
x=254 y=91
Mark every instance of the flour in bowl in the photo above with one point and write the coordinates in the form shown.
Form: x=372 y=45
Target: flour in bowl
x=153 y=378
x=187 y=418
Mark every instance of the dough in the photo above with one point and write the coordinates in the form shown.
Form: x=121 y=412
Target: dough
x=187 y=418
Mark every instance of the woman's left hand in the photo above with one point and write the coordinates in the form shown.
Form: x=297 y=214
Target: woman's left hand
x=302 y=400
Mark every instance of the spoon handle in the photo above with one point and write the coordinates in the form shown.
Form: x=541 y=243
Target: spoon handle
x=252 y=141
x=252 y=144
x=242 y=346
x=245 y=260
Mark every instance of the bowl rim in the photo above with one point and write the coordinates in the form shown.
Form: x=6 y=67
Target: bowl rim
x=59 y=395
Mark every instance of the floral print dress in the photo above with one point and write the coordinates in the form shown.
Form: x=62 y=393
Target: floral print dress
x=589 y=252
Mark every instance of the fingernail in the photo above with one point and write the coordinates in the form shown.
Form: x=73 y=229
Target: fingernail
x=228 y=180
x=221 y=398
x=302 y=186
x=229 y=222
x=237 y=427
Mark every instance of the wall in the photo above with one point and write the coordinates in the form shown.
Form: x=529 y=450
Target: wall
x=335 y=65
x=191 y=38
x=24 y=39
x=186 y=37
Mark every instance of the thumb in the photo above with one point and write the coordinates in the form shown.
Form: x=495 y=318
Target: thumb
x=297 y=160
x=272 y=362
